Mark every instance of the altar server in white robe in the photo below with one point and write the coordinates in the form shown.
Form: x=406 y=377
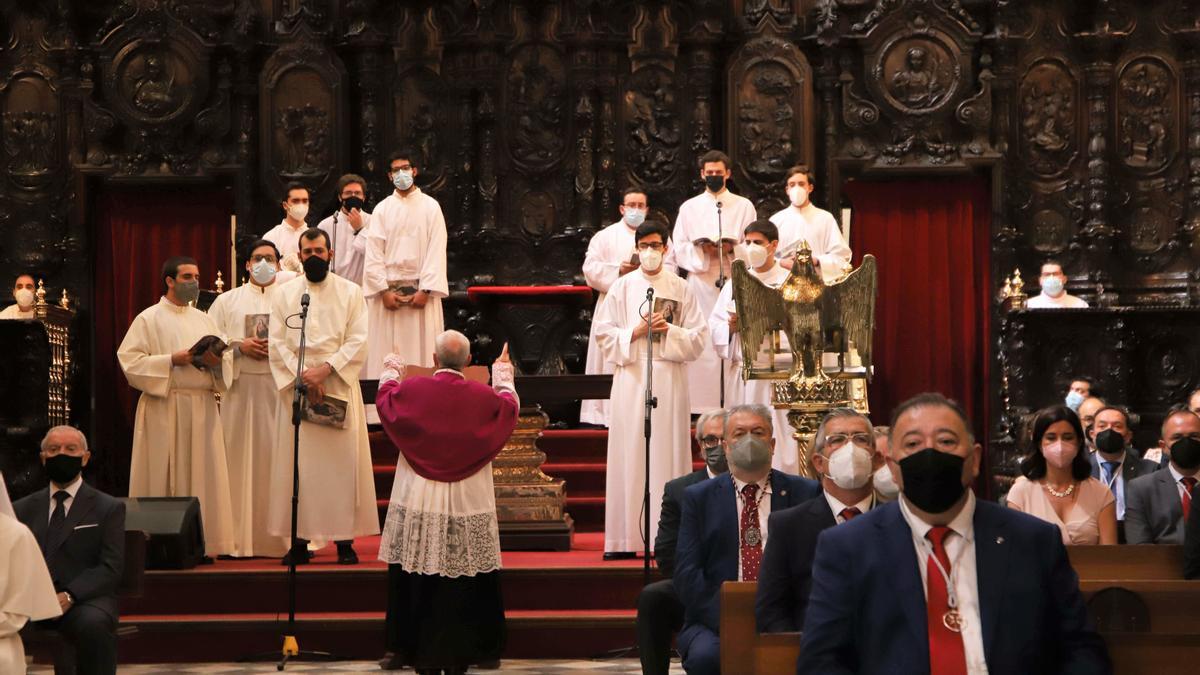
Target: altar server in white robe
x=680 y=334
x=286 y=235
x=337 y=488
x=610 y=256
x=250 y=408
x=803 y=221
x=348 y=226
x=23 y=293
x=178 y=443
x=404 y=276
x=761 y=241
x=26 y=590
x=695 y=250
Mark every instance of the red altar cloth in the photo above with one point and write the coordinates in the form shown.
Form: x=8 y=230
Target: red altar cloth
x=475 y=293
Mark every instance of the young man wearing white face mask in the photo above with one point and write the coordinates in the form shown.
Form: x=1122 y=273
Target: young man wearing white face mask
x=803 y=221
x=1054 y=294
x=23 y=294
x=404 y=271
x=761 y=240
x=286 y=235
x=250 y=408
x=623 y=336
x=844 y=456
x=610 y=256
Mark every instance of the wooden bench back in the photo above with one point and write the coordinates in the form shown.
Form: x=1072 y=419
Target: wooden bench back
x=1132 y=563
x=743 y=649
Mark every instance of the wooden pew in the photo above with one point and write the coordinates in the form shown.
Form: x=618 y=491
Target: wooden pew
x=1148 y=614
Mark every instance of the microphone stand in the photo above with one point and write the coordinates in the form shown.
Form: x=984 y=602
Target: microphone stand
x=721 y=284
x=651 y=404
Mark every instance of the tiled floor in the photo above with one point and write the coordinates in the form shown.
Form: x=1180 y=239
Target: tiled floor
x=614 y=667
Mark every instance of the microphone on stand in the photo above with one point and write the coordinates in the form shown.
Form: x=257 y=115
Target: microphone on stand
x=650 y=293
x=304 y=304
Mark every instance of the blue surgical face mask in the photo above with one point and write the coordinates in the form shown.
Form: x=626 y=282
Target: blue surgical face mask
x=1052 y=286
x=262 y=272
x=402 y=180
x=634 y=217
x=1074 y=398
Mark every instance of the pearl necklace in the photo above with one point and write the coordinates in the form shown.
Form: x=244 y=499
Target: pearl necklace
x=1065 y=493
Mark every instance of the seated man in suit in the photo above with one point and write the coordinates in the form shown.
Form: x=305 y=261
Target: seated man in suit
x=1115 y=463
x=82 y=534
x=939 y=582
x=1157 y=504
x=844 y=456
x=724 y=528
x=660 y=612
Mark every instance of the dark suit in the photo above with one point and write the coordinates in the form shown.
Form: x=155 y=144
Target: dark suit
x=1191 y=540
x=1153 y=510
x=1132 y=467
x=866 y=613
x=660 y=613
x=87 y=563
x=708 y=557
x=785 y=578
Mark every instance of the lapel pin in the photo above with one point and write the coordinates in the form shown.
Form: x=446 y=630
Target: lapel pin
x=999 y=540
x=783 y=493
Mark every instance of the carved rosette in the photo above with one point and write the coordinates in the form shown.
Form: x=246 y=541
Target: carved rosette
x=769 y=113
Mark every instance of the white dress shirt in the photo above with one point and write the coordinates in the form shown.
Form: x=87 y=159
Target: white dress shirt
x=764 y=511
x=72 y=489
x=837 y=506
x=1063 y=301
x=960 y=549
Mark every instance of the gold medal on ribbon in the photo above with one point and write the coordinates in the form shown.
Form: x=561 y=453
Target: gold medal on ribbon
x=753 y=536
x=953 y=620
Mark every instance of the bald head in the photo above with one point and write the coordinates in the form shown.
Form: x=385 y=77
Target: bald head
x=452 y=350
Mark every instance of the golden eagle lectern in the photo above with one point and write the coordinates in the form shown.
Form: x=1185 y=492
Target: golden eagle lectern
x=828 y=331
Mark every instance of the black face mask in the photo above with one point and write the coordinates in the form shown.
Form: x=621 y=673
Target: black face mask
x=714 y=183
x=1110 y=441
x=1186 y=453
x=932 y=479
x=715 y=458
x=315 y=268
x=351 y=203
x=63 y=469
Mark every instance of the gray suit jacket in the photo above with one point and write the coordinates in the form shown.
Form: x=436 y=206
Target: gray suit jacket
x=1153 y=510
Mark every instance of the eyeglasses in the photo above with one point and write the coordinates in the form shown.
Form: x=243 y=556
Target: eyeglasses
x=651 y=245
x=864 y=441
x=710 y=441
x=269 y=257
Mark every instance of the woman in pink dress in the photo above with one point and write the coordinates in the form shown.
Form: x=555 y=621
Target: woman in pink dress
x=1056 y=484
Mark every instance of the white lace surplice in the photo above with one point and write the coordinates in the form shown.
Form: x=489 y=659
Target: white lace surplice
x=445 y=529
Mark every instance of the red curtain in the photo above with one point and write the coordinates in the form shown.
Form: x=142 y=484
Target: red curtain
x=932 y=316
x=136 y=230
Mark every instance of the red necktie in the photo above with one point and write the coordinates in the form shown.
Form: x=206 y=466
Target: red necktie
x=848 y=514
x=751 y=545
x=946 y=654
x=1189 y=482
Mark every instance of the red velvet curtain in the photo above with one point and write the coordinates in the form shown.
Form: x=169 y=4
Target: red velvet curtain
x=932 y=241
x=136 y=230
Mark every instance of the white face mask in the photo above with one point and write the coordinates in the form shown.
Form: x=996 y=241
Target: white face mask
x=634 y=217
x=798 y=195
x=850 y=467
x=262 y=272
x=24 y=297
x=885 y=483
x=650 y=260
x=298 y=211
x=402 y=180
x=756 y=255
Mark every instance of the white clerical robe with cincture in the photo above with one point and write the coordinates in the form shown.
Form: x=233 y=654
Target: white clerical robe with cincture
x=670 y=440
x=26 y=590
x=178 y=442
x=820 y=229
x=406 y=248
x=249 y=414
x=349 y=247
x=787 y=454
x=337 y=488
x=698 y=220
x=601 y=268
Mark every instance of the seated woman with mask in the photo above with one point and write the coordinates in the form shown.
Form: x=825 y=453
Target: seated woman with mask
x=1056 y=484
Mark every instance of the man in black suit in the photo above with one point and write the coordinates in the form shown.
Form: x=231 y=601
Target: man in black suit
x=844 y=457
x=1155 y=503
x=660 y=612
x=723 y=528
x=82 y=535
x=1115 y=463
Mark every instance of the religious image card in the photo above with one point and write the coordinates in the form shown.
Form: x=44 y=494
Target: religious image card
x=258 y=326
x=405 y=288
x=670 y=310
x=330 y=412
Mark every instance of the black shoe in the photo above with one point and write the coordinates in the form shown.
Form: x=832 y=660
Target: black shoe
x=619 y=555
x=346 y=555
x=391 y=661
x=302 y=557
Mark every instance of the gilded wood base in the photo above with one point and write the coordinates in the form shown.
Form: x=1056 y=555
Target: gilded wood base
x=529 y=504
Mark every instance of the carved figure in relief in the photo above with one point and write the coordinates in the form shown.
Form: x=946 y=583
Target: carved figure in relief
x=654 y=130
x=29 y=142
x=1144 y=124
x=423 y=131
x=303 y=140
x=765 y=121
x=918 y=84
x=154 y=90
x=537 y=102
